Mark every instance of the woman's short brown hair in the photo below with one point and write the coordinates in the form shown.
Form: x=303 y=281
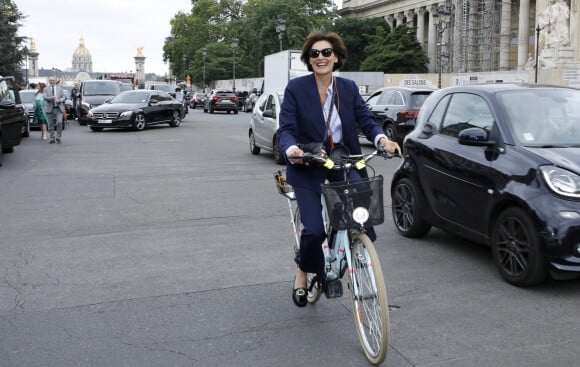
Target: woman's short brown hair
x=334 y=39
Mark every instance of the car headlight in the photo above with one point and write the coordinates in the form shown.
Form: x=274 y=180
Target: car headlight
x=87 y=105
x=561 y=181
x=90 y=114
x=126 y=114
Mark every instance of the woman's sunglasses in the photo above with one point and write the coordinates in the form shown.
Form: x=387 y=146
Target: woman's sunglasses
x=314 y=53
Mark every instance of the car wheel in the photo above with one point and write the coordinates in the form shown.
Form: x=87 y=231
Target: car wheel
x=515 y=245
x=406 y=209
x=176 y=120
x=389 y=130
x=139 y=123
x=253 y=148
x=278 y=156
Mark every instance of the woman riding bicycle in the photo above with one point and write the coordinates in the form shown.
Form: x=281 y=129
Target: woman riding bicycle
x=321 y=108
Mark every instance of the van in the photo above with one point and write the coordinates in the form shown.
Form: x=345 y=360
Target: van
x=94 y=93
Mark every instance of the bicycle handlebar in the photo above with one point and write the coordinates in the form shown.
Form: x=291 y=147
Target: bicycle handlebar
x=359 y=160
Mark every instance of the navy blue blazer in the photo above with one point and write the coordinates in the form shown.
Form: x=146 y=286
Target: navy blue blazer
x=302 y=121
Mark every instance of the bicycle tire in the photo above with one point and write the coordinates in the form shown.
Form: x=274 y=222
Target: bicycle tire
x=314 y=294
x=370 y=306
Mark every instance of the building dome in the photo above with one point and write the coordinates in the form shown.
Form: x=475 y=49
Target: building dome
x=82 y=60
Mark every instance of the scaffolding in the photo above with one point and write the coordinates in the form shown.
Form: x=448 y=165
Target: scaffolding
x=475 y=35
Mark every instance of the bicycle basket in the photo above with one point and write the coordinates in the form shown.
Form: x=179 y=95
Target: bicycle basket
x=284 y=188
x=342 y=198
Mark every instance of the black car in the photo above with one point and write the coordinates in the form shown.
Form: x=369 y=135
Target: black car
x=94 y=93
x=136 y=109
x=13 y=116
x=197 y=100
x=500 y=165
x=221 y=100
x=396 y=109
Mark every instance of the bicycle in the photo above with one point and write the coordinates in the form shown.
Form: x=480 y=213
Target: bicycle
x=347 y=207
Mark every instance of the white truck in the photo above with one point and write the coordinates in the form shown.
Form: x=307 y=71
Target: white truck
x=280 y=67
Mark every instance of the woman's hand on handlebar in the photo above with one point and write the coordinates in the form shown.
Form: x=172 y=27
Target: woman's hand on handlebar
x=298 y=156
x=299 y=153
x=390 y=146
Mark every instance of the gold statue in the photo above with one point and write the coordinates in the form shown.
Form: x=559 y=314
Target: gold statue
x=32 y=45
x=140 y=51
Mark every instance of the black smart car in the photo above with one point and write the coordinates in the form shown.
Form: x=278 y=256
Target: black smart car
x=500 y=165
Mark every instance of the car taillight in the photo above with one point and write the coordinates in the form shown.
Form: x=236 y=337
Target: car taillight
x=215 y=98
x=235 y=98
x=410 y=113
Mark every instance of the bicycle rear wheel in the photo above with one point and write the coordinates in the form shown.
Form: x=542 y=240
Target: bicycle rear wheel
x=370 y=307
x=314 y=293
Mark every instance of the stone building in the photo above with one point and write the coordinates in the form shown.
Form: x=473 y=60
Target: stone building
x=82 y=60
x=471 y=36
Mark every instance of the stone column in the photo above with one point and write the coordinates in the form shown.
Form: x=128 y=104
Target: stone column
x=33 y=64
x=139 y=70
x=399 y=17
x=575 y=29
x=410 y=14
x=421 y=27
x=505 y=35
x=432 y=39
x=390 y=20
x=523 y=34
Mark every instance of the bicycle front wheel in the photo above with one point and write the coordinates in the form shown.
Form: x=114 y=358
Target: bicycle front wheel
x=370 y=306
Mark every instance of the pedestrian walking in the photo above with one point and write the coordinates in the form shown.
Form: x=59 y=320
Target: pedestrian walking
x=54 y=98
x=39 y=118
x=75 y=94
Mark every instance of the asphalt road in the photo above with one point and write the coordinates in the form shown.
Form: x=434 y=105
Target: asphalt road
x=171 y=247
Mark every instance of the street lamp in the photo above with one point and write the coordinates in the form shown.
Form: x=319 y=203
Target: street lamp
x=280 y=29
x=538 y=29
x=204 y=53
x=234 y=46
x=443 y=17
x=25 y=51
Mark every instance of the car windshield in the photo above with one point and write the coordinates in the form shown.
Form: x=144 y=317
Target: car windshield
x=131 y=97
x=543 y=117
x=101 y=89
x=164 y=87
x=27 y=97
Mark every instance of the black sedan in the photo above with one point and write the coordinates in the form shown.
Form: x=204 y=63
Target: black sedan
x=136 y=109
x=500 y=165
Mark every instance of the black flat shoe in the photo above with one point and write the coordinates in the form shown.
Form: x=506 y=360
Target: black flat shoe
x=299 y=296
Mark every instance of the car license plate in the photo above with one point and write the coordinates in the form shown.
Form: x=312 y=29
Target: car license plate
x=104 y=121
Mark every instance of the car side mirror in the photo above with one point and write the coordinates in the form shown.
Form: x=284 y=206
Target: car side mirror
x=428 y=130
x=270 y=114
x=475 y=136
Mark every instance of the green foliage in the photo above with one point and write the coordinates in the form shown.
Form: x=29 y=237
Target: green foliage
x=213 y=23
x=12 y=54
x=396 y=52
x=350 y=29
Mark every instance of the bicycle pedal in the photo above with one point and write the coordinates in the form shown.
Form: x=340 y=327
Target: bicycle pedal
x=333 y=289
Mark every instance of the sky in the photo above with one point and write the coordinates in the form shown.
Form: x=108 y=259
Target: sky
x=112 y=30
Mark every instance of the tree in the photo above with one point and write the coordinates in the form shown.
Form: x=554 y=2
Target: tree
x=351 y=29
x=12 y=54
x=396 y=52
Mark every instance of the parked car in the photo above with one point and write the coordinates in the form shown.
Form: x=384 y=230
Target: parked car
x=136 y=109
x=500 y=165
x=221 y=100
x=198 y=99
x=264 y=125
x=250 y=102
x=13 y=116
x=27 y=99
x=94 y=93
x=396 y=109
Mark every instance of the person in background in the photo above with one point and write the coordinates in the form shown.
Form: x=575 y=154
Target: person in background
x=321 y=109
x=180 y=96
x=74 y=95
x=40 y=117
x=54 y=98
